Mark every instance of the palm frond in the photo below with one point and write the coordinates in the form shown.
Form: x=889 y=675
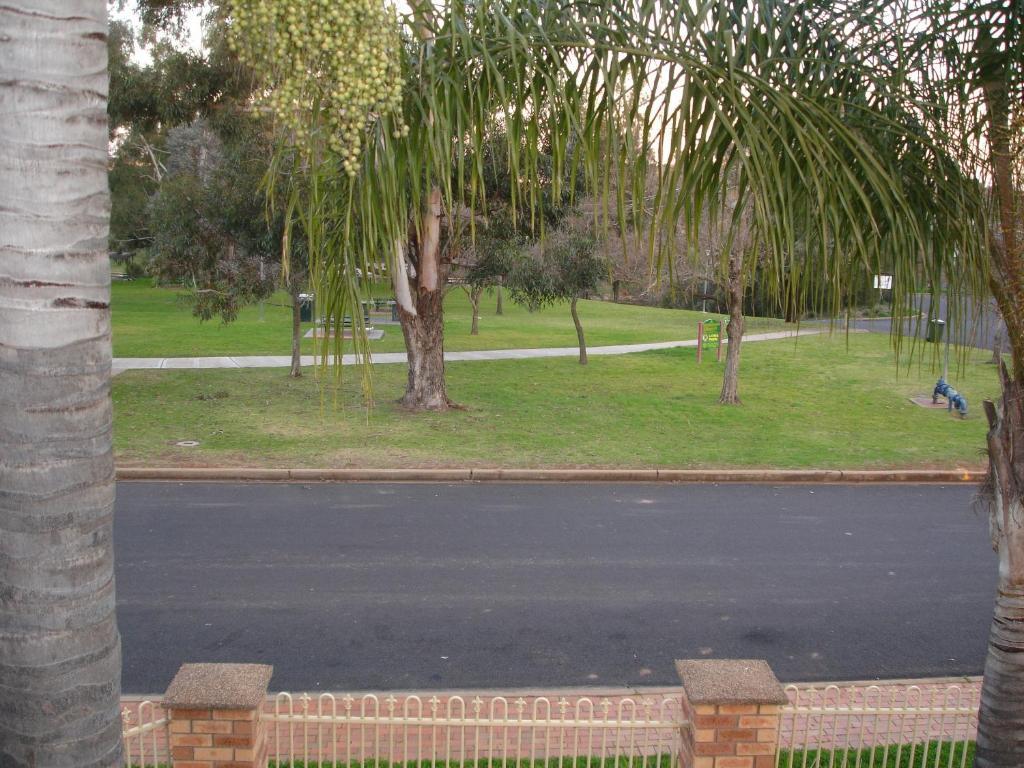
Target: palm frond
x=652 y=106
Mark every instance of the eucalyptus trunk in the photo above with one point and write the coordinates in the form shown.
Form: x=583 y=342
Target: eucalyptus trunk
x=500 y=308
x=421 y=312
x=296 y=369
x=426 y=389
x=421 y=298
x=579 y=332
x=474 y=306
x=734 y=301
x=60 y=651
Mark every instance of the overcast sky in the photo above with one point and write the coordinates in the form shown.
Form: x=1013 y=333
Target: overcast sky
x=193 y=27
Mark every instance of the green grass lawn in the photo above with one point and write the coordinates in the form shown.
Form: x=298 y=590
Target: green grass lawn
x=923 y=756
x=565 y=761
x=158 y=322
x=815 y=403
x=929 y=755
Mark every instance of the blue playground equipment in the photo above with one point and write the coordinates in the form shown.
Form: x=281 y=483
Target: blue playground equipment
x=953 y=398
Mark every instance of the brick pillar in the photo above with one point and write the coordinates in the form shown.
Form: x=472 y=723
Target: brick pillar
x=733 y=709
x=215 y=715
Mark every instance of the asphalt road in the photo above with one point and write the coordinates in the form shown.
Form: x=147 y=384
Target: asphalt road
x=976 y=329
x=387 y=586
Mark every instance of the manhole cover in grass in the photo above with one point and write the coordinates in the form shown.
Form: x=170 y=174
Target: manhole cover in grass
x=187 y=443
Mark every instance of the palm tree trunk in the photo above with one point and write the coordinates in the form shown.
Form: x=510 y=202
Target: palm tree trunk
x=1001 y=718
x=734 y=298
x=296 y=369
x=60 y=651
x=579 y=332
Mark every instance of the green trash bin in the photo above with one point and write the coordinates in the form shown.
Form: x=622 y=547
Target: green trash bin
x=306 y=307
x=935 y=330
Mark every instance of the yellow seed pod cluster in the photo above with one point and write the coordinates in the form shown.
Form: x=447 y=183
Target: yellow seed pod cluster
x=333 y=66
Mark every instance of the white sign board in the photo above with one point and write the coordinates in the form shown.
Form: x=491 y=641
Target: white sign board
x=883 y=282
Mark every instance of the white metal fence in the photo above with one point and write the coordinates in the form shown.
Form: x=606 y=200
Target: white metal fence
x=144 y=734
x=890 y=725
x=566 y=731
x=927 y=725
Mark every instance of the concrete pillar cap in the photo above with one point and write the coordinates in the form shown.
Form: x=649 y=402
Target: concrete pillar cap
x=218 y=686
x=730 y=681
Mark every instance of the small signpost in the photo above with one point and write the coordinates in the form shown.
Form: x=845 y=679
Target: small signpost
x=882 y=284
x=709 y=335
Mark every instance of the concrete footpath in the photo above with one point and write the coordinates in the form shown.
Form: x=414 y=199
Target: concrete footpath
x=387 y=358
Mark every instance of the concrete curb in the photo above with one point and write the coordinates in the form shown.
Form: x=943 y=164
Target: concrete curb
x=239 y=474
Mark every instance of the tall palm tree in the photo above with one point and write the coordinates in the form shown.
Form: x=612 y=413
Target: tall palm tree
x=973 y=53
x=59 y=645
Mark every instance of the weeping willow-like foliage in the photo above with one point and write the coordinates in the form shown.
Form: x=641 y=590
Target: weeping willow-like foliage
x=966 y=64
x=858 y=182
x=833 y=156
